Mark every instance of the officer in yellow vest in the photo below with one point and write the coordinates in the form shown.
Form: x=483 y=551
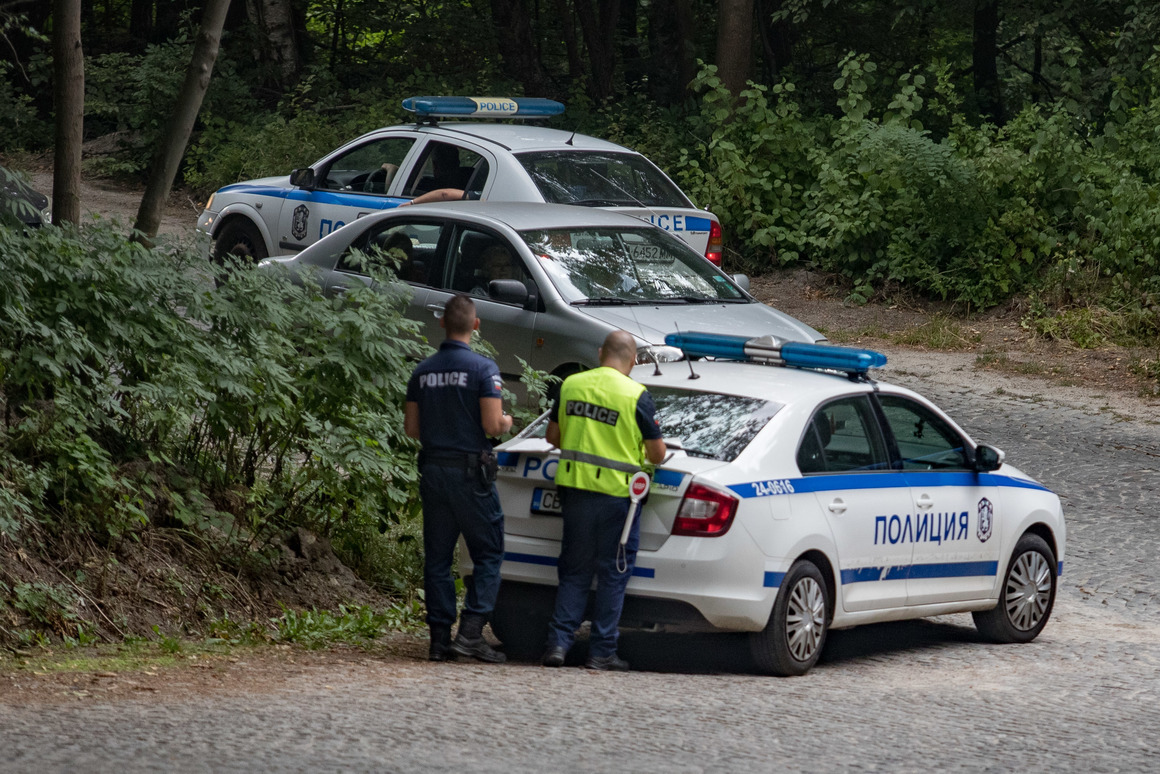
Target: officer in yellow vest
x=604 y=425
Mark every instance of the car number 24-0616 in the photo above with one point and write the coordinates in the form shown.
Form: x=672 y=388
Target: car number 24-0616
x=546 y=501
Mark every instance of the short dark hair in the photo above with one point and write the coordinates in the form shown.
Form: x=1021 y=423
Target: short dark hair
x=459 y=315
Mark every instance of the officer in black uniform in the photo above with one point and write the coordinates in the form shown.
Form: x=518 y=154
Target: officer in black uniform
x=453 y=405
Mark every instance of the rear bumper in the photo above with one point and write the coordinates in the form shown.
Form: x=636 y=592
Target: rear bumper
x=690 y=584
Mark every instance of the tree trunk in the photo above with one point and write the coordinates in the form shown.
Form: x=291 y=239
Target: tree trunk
x=517 y=45
x=279 y=46
x=575 y=62
x=671 y=63
x=598 y=26
x=180 y=124
x=68 y=75
x=630 y=53
x=141 y=20
x=776 y=37
x=734 y=43
x=985 y=60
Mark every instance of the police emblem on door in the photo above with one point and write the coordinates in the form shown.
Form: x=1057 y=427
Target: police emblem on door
x=298 y=225
x=986 y=519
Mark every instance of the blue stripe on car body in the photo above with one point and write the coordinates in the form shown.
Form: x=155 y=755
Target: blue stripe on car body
x=892 y=480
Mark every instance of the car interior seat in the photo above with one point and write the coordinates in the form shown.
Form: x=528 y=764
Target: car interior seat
x=469 y=262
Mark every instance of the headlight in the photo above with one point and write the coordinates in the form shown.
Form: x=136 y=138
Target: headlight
x=209 y=203
x=658 y=354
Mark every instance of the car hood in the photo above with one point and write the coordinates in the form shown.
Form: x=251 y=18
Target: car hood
x=652 y=323
x=282 y=181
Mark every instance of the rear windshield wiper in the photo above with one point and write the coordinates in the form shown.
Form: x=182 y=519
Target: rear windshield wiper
x=605 y=301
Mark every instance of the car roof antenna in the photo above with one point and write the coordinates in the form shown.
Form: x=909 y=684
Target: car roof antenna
x=570 y=139
x=692 y=374
x=653 y=355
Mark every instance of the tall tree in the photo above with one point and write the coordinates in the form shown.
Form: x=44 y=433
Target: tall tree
x=68 y=75
x=181 y=121
x=278 y=41
x=517 y=45
x=598 y=20
x=985 y=60
x=734 y=43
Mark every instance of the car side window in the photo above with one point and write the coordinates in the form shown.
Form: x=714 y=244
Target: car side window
x=477 y=257
x=842 y=436
x=369 y=168
x=925 y=441
x=410 y=249
x=444 y=165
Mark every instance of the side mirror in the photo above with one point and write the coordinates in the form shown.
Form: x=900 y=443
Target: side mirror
x=988 y=458
x=742 y=281
x=507 y=291
x=302 y=178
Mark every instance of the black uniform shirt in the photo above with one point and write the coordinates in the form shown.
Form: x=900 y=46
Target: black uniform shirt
x=447 y=386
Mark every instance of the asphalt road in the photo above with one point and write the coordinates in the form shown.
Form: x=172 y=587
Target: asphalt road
x=913 y=696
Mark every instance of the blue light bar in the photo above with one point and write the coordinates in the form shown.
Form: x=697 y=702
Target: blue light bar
x=768 y=349
x=848 y=359
x=483 y=107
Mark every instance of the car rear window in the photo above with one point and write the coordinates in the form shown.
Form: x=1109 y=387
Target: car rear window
x=601 y=179
x=710 y=424
x=707 y=424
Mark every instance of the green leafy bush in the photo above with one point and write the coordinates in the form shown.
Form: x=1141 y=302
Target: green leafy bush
x=131 y=391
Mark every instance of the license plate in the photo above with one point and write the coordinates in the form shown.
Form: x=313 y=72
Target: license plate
x=546 y=501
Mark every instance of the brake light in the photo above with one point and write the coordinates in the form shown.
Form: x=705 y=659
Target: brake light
x=716 y=240
x=705 y=512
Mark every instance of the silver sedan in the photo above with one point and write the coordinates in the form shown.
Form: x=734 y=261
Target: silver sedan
x=550 y=281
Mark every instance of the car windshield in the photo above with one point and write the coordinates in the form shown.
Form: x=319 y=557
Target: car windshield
x=627 y=266
x=710 y=424
x=601 y=179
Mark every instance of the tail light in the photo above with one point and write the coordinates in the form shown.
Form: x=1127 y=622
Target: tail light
x=705 y=512
x=716 y=240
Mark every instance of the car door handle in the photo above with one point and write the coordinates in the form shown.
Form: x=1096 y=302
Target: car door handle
x=925 y=502
x=837 y=505
x=436 y=309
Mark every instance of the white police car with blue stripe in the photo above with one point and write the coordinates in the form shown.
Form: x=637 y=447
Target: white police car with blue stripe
x=797 y=499
x=500 y=162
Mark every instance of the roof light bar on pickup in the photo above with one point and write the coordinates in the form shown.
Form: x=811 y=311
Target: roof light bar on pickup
x=482 y=107
x=768 y=349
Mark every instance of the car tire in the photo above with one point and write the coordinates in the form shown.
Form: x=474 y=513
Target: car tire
x=520 y=619
x=791 y=642
x=240 y=239
x=1026 y=596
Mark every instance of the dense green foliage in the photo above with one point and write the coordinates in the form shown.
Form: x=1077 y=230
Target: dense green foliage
x=133 y=392
x=975 y=215
x=940 y=150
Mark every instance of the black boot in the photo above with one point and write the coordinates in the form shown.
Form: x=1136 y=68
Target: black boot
x=440 y=649
x=469 y=641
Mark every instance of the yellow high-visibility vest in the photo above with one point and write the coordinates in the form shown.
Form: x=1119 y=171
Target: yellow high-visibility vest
x=601 y=445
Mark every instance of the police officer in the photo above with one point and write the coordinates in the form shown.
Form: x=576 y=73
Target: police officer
x=604 y=425
x=453 y=404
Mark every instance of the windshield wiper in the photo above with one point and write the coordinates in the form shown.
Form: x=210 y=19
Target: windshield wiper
x=687 y=300
x=605 y=301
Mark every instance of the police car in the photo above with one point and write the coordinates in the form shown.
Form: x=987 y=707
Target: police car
x=494 y=161
x=549 y=281
x=800 y=496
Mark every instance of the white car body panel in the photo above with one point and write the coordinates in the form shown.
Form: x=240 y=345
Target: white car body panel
x=732 y=580
x=291 y=218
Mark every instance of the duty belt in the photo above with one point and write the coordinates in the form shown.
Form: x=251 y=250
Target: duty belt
x=449 y=459
x=594 y=459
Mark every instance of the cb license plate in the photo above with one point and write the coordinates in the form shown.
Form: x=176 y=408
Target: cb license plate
x=546 y=501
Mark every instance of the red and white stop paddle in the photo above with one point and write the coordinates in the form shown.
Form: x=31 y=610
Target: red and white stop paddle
x=637 y=489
